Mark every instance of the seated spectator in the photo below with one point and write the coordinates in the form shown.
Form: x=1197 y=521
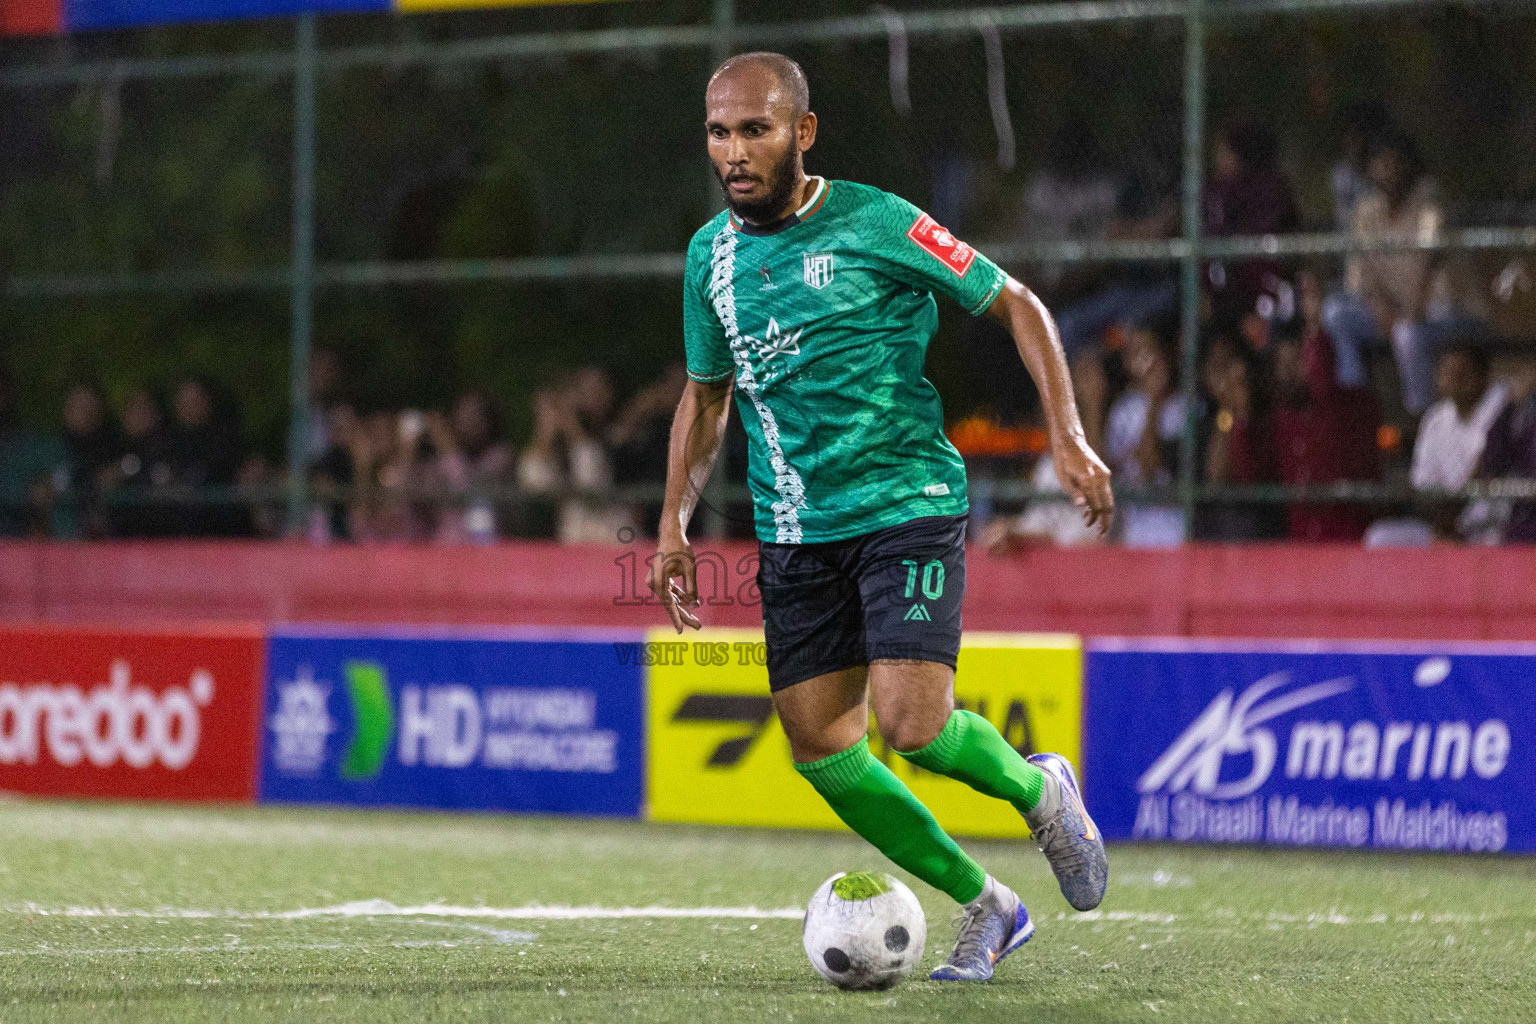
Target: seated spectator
x=471 y=457
x=1454 y=432
x=144 y=467
x=204 y=457
x=1142 y=438
x=1241 y=449
x=1132 y=294
x=1510 y=452
x=1324 y=433
x=1247 y=195
x=1405 y=296
x=91 y=448
x=27 y=463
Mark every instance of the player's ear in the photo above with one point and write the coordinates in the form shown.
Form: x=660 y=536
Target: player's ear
x=805 y=131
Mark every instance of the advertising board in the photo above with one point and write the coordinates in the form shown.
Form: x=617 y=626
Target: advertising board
x=452 y=720
x=1342 y=745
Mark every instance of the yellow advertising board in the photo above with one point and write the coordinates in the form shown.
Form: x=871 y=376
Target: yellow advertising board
x=717 y=755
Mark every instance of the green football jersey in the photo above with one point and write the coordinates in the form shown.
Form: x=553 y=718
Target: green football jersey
x=824 y=320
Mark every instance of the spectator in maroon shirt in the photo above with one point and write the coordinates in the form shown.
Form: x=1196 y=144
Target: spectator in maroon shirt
x=1511 y=452
x=1247 y=195
x=1324 y=433
x=1241 y=449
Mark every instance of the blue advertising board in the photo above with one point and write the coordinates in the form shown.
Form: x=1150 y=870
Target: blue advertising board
x=453 y=720
x=1359 y=745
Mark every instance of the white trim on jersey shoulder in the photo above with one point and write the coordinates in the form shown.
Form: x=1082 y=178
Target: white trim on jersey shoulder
x=821 y=186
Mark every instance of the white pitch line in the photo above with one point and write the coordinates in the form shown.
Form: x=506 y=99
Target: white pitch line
x=265 y=948
x=383 y=908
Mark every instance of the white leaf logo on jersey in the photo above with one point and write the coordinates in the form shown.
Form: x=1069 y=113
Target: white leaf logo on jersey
x=818 y=269
x=775 y=342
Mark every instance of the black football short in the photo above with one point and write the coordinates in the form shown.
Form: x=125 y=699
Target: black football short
x=893 y=593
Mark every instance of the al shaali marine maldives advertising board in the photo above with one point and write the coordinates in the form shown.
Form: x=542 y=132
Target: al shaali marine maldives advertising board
x=452 y=721
x=1316 y=745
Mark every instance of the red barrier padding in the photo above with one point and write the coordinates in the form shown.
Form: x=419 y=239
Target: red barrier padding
x=165 y=714
x=1323 y=591
x=31 y=17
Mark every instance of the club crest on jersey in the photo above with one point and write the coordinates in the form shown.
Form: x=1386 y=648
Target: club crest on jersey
x=775 y=342
x=818 y=269
x=941 y=245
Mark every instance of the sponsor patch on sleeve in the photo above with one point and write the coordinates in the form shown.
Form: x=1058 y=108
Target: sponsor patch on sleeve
x=941 y=245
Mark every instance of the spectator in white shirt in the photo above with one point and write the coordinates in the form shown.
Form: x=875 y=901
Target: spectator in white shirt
x=1453 y=433
x=1455 y=428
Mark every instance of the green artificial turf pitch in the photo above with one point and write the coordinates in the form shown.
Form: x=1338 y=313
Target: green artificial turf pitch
x=138 y=913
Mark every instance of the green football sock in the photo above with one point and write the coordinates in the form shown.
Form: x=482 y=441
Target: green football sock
x=878 y=806
x=971 y=751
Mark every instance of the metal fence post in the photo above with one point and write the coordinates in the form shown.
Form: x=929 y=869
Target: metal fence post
x=301 y=269
x=710 y=515
x=1194 y=165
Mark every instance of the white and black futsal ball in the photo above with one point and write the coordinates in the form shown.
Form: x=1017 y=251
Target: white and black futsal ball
x=864 y=930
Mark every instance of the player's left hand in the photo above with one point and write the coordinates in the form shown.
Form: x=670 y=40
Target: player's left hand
x=1085 y=478
x=674 y=558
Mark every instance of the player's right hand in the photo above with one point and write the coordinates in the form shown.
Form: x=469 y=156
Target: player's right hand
x=674 y=558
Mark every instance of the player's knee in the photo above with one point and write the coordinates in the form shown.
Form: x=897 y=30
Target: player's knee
x=819 y=746
x=909 y=729
x=813 y=741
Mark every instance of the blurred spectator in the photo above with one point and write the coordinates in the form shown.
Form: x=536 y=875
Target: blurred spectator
x=1045 y=521
x=91 y=449
x=324 y=383
x=334 y=474
x=1324 y=433
x=1510 y=452
x=261 y=513
x=471 y=457
x=1132 y=294
x=1241 y=449
x=1247 y=195
x=1403 y=296
x=27 y=463
x=1142 y=437
x=204 y=455
x=641 y=435
x=567 y=460
x=1452 y=437
x=1071 y=197
x=145 y=466
x=1362 y=125
x=402 y=471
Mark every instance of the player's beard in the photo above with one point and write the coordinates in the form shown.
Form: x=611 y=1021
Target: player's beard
x=782 y=180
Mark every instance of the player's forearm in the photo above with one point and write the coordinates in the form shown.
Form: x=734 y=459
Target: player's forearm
x=1034 y=333
x=698 y=429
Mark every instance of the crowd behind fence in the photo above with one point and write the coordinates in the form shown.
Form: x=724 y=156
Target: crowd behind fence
x=1250 y=371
